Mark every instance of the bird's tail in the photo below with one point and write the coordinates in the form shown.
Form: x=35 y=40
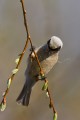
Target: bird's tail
x=24 y=96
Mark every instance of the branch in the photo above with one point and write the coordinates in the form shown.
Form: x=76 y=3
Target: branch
x=51 y=105
x=10 y=79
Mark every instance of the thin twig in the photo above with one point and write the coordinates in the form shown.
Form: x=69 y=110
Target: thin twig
x=12 y=76
x=51 y=101
x=41 y=71
x=27 y=31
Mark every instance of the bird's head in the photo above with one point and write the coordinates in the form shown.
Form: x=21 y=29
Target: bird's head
x=55 y=43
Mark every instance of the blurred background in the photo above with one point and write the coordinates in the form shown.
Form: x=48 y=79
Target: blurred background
x=45 y=19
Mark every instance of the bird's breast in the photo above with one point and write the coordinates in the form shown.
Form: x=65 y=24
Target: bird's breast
x=48 y=63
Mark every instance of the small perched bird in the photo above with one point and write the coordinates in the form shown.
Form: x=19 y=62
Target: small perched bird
x=48 y=57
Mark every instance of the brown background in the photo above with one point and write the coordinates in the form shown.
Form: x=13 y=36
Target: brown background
x=46 y=18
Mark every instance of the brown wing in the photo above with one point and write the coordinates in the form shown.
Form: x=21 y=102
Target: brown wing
x=47 y=59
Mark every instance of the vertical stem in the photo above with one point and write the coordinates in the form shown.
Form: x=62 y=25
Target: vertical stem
x=28 y=36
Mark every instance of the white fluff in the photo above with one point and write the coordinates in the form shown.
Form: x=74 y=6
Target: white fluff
x=55 y=42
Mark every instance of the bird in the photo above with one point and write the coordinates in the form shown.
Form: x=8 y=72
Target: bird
x=48 y=54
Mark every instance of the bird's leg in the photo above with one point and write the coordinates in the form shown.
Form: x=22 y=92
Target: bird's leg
x=40 y=76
